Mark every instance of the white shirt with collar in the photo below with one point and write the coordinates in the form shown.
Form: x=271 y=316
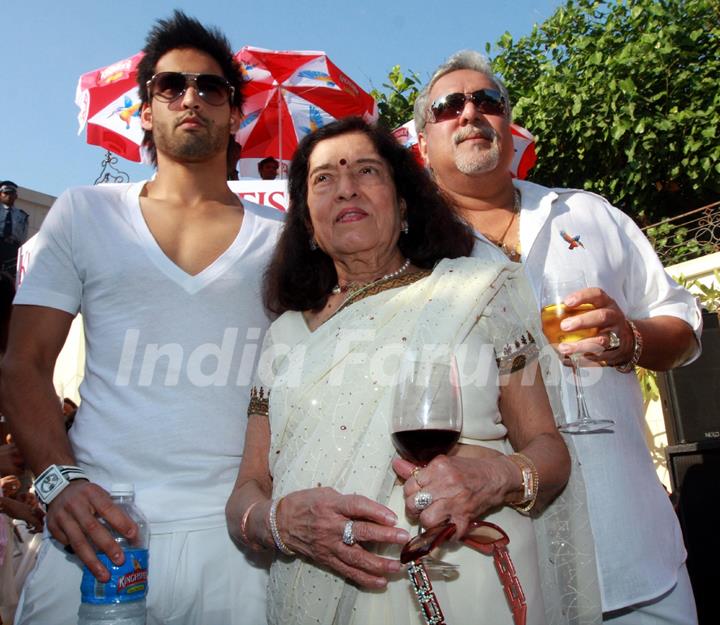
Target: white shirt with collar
x=637 y=536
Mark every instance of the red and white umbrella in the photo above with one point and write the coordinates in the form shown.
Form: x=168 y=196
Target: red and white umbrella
x=290 y=94
x=523 y=141
x=525 y=157
x=110 y=107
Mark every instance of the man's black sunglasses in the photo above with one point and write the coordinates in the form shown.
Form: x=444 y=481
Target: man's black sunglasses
x=169 y=86
x=450 y=106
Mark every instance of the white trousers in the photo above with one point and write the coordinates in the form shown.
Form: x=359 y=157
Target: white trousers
x=196 y=577
x=675 y=607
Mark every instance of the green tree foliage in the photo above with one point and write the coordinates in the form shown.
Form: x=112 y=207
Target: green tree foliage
x=395 y=105
x=624 y=99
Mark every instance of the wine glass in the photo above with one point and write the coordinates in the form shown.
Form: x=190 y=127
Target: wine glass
x=427 y=416
x=554 y=291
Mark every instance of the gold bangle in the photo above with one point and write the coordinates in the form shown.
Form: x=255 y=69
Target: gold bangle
x=259 y=402
x=531 y=482
x=243 y=527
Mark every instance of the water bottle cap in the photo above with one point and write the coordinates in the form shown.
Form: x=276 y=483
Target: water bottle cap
x=122 y=489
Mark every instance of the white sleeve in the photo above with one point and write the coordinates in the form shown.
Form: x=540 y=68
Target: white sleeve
x=266 y=368
x=648 y=288
x=52 y=278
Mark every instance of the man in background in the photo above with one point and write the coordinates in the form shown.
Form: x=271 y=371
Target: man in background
x=268 y=168
x=14 y=223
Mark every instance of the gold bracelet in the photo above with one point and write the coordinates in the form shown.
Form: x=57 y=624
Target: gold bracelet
x=531 y=482
x=259 y=402
x=243 y=527
x=637 y=350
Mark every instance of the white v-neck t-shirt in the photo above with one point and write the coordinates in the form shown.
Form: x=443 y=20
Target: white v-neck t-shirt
x=169 y=356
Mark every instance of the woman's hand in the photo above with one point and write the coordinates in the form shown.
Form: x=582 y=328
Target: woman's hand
x=462 y=488
x=311 y=523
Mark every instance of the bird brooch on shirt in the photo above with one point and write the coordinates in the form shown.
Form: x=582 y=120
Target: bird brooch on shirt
x=573 y=241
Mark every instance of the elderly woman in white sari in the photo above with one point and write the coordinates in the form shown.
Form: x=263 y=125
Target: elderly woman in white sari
x=372 y=263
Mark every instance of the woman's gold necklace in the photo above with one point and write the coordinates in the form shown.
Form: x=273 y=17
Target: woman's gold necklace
x=360 y=288
x=337 y=289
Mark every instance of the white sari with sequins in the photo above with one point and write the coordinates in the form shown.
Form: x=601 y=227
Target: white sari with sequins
x=330 y=414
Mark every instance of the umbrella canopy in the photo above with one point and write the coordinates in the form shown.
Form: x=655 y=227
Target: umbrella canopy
x=525 y=156
x=290 y=94
x=523 y=142
x=110 y=108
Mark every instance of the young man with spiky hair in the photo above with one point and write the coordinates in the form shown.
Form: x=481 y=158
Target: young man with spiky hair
x=167 y=276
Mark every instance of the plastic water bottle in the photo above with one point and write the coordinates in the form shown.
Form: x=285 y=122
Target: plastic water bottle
x=121 y=600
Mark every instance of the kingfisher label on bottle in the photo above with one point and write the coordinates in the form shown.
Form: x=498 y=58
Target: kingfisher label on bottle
x=128 y=582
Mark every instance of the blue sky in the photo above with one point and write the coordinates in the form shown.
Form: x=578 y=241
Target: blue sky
x=47 y=45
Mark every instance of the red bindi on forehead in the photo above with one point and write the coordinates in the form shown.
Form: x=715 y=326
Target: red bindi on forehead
x=343 y=161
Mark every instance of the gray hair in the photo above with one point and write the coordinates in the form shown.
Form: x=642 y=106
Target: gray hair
x=465 y=59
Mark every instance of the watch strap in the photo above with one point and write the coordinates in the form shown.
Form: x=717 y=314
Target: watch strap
x=531 y=482
x=54 y=479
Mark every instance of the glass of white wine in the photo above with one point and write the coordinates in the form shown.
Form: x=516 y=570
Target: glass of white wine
x=554 y=291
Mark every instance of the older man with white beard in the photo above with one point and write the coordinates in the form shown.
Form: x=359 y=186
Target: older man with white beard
x=642 y=316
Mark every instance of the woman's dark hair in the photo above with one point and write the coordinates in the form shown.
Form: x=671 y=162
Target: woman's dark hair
x=299 y=278
x=183 y=32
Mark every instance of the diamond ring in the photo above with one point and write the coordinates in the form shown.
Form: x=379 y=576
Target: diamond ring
x=423 y=500
x=613 y=341
x=348 y=537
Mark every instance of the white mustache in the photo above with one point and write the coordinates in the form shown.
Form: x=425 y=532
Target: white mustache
x=468 y=132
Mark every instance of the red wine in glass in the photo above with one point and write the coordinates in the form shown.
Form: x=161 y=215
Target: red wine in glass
x=421 y=446
x=427 y=416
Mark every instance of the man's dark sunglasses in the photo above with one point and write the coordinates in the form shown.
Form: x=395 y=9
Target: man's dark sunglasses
x=169 y=86
x=450 y=106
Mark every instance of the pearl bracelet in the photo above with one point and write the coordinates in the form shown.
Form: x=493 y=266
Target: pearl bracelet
x=272 y=520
